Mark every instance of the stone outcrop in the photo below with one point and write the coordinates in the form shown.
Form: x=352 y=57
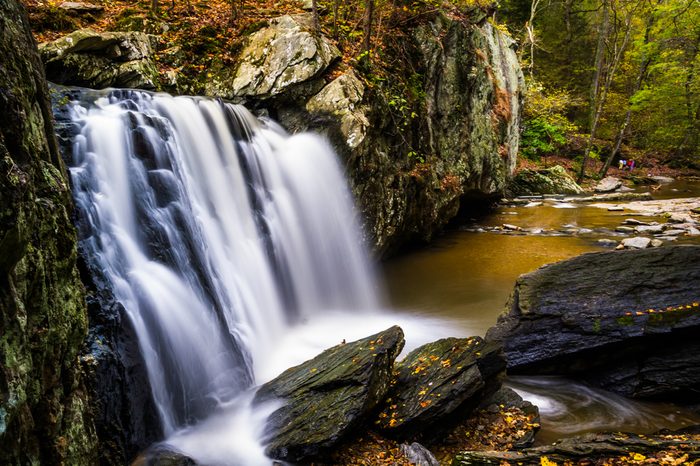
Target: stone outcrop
x=278 y=59
x=328 y=397
x=44 y=408
x=626 y=321
x=553 y=180
x=439 y=382
x=98 y=60
x=616 y=448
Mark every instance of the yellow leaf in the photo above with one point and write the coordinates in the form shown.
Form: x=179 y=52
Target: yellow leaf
x=638 y=456
x=544 y=461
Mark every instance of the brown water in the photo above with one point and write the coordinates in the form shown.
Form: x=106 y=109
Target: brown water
x=466 y=276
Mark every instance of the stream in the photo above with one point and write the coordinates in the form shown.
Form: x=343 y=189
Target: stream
x=467 y=275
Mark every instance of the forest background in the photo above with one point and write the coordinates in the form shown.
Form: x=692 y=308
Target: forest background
x=606 y=79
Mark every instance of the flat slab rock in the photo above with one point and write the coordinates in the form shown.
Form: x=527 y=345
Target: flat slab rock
x=625 y=320
x=643 y=449
x=329 y=396
x=439 y=381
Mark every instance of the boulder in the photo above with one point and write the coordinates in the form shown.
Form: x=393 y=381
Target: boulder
x=418 y=455
x=553 y=180
x=163 y=455
x=81 y=7
x=608 y=185
x=342 y=98
x=98 y=60
x=285 y=54
x=328 y=397
x=638 y=242
x=626 y=321
x=439 y=382
x=602 y=448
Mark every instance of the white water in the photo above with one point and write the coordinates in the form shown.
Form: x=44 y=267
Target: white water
x=234 y=250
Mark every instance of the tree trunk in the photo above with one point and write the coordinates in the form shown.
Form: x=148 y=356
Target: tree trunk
x=154 y=7
x=367 y=27
x=641 y=76
x=314 y=11
x=595 y=86
x=335 y=18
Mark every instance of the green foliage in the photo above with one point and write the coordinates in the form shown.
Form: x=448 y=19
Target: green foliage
x=540 y=137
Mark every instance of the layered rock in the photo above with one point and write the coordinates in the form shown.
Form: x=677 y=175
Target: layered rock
x=98 y=60
x=44 y=409
x=603 y=448
x=626 y=321
x=439 y=382
x=328 y=397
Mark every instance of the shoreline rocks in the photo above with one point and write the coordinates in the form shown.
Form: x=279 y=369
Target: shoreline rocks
x=619 y=320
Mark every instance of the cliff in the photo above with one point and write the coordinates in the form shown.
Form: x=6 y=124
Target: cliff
x=44 y=413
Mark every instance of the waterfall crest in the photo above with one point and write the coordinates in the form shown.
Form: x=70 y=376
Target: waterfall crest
x=217 y=232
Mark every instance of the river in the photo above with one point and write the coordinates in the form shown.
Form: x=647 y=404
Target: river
x=466 y=276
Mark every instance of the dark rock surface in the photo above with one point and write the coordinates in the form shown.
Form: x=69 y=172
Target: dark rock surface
x=328 y=397
x=594 y=447
x=162 y=455
x=44 y=408
x=440 y=382
x=418 y=454
x=626 y=321
x=506 y=397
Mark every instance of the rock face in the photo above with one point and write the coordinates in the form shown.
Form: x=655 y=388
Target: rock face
x=410 y=176
x=553 y=180
x=44 y=412
x=277 y=58
x=98 y=60
x=327 y=397
x=440 y=381
x=626 y=321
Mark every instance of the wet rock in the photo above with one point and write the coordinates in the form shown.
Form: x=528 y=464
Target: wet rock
x=627 y=230
x=45 y=412
x=328 y=397
x=287 y=53
x=656 y=243
x=99 y=60
x=616 y=209
x=419 y=455
x=163 y=455
x=662 y=179
x=625 y=321
x=555 y=180
x=607 y=243
x=620 y=447
x=608 y=185
x=692 y=231
x=634 y=221
x=508 y=226
x=440 y=383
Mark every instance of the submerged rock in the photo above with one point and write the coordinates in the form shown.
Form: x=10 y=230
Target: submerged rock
x=625 y=321
x=328 y=397
x=98 y=60
x=553 y=180
x=441 y=382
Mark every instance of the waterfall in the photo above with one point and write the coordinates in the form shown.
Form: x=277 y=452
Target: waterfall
x=233 y=248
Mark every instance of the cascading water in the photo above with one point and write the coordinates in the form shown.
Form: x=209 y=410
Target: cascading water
x=232 y=247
